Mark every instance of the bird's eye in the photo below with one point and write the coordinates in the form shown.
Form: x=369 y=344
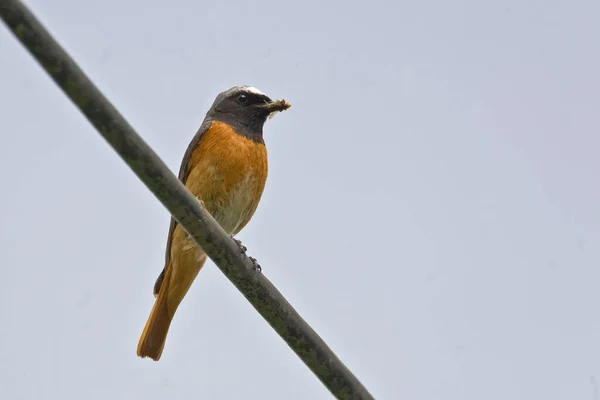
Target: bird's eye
x=242 y=98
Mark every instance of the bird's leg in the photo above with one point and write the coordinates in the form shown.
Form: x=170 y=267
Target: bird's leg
x=240 y=245
x=256 y=266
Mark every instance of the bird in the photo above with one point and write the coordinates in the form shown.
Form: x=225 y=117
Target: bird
x=225 y=166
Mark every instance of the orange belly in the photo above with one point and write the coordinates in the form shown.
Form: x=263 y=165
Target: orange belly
x=228 y=172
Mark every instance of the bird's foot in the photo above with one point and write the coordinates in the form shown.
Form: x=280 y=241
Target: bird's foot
x=240 y=245
x=201 y=202
x=255 y=265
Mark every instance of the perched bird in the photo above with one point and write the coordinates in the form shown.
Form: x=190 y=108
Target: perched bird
x=225 y=167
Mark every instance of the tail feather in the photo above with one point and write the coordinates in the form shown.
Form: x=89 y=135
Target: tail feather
x=172 y=286
x=154 y=336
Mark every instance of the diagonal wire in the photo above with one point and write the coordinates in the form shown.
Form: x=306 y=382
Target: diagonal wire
x=225 y=253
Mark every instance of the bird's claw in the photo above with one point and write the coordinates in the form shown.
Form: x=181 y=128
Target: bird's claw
x=255 y=265
x=240 y=245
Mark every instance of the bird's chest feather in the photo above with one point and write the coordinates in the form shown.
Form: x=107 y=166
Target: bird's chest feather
x=228 y=172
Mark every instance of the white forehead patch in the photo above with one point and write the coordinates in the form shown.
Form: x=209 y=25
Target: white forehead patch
x=252 y=89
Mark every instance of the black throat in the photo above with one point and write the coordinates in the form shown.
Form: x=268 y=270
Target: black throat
x=249 y=125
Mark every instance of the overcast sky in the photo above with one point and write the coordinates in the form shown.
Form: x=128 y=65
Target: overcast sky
x=432 y=208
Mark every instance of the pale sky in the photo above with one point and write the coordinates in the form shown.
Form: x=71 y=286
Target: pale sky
x=432 y=208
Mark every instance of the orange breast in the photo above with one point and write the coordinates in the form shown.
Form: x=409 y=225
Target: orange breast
x=228 y=172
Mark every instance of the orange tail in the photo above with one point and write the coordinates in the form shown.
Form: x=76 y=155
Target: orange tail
x=172 y=290
x=152 y=341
